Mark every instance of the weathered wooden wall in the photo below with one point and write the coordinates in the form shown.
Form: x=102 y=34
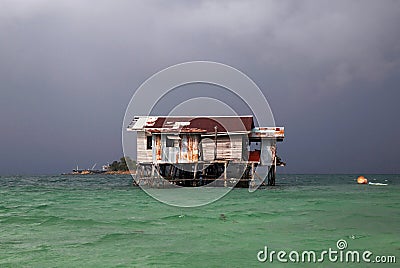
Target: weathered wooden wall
x=188 y=149
x=143 y=154
x=228 y=147
x=268 y=152
x=184 y=149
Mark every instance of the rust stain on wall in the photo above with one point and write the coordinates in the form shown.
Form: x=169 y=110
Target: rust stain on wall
x=158 y=147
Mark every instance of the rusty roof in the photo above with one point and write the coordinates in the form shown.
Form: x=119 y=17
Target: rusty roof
x=201 y=124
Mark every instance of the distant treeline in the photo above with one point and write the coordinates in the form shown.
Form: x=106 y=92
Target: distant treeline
x=122 y=164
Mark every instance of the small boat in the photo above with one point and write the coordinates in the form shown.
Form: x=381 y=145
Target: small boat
x=377 y=183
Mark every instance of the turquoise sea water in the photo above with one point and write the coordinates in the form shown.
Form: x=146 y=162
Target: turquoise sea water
x=104 y=221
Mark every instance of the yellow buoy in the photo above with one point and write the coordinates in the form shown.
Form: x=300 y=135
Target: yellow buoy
x=362 y=180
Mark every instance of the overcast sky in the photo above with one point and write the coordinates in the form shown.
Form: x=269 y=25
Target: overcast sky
x=329 y=69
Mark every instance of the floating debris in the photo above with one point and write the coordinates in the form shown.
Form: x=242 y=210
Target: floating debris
x=362 y=180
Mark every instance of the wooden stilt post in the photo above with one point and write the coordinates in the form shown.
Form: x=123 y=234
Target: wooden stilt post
x=225 y=178
x=269 y=175
x=273 y=176
x=203 y=174
x=274 y=172
x=195 y=175
x=171 y=168
x=252 y=173
x=173 y=172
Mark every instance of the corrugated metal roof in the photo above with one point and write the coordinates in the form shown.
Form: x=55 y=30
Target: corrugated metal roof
x=194 y=124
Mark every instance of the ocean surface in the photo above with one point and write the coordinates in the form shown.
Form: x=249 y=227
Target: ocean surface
x=104 y=221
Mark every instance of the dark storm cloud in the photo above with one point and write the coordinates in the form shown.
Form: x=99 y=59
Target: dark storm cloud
x=330 y=70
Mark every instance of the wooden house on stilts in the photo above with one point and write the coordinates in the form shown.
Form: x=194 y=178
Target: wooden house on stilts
x=196 y=151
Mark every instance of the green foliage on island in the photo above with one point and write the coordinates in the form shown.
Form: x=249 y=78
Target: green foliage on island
x=122 y=164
